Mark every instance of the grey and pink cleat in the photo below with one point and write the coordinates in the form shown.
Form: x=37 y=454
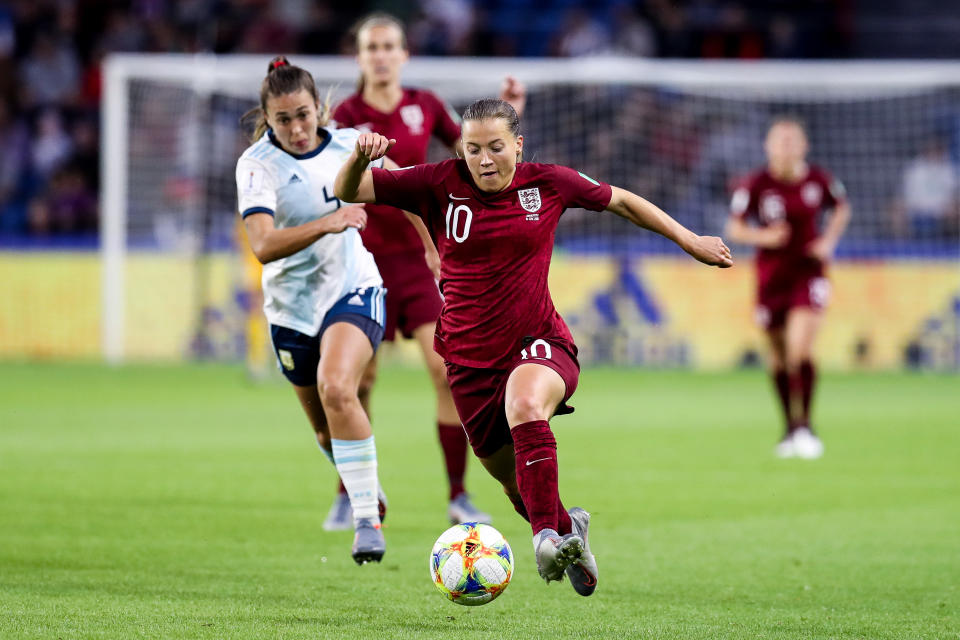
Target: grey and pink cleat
x=555 y=553
x=583 y=572
x=368 y=542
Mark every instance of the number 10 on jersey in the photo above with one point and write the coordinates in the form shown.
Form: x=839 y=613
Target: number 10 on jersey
x=457 y=216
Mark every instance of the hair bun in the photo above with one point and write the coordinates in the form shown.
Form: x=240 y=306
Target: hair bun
x=276 y=63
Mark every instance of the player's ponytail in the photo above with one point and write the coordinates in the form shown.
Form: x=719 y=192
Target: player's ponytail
x=377 y=19
x=492 y=109
x=283 y=78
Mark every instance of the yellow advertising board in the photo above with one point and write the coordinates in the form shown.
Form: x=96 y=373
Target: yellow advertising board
x=659 y=311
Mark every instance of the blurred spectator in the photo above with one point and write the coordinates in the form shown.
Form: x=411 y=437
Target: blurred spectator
x=268 y=33
x=443 y=27
x=582 y=35
x=51 y=73
x=14 y=167
x=632 y=35
x=67 y=207
x=928 y=206
x=51 y=146
x=8 y=34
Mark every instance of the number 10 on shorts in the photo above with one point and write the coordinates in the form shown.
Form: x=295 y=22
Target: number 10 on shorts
x=535 y=348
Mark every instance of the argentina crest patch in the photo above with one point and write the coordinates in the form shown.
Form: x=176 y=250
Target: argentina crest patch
x=286 y=359
x=529 y=199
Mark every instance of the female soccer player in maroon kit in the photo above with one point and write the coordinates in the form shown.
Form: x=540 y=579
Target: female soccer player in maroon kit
x=776 y=211
x=411 y=117
x=510 y=358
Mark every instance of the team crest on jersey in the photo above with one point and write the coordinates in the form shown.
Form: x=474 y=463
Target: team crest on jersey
x=412 y=116
x=772 y=207
x=812 y=194
x=529 y=200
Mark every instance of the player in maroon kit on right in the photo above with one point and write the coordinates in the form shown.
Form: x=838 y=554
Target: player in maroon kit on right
x=776 y=211
x=511 y=360
x=412 y=117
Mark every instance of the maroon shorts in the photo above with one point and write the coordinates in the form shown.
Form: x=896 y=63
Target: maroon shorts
x=773 y=306
x=480 y=394
x=413 y=299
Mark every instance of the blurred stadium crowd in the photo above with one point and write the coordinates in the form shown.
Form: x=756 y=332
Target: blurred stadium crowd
x=51 y=51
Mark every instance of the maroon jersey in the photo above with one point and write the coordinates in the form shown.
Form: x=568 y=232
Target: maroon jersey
x=765 y=200
x=495 y=251
x=419 y=115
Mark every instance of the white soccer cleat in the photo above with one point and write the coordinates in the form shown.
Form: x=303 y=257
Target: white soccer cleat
x=785 y=448
x=461 y=510
x=806 y=445
x=582 y=573
x=555 y=553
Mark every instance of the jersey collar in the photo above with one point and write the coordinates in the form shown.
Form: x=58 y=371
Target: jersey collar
x=323 y=133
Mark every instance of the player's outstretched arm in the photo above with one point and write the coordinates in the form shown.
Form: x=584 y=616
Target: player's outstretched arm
x=269 y=243
x=707 y=249
x=354 y=182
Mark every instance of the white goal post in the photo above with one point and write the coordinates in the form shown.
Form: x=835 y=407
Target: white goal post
x=167 y=150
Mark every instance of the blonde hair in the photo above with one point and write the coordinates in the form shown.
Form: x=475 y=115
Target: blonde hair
x=283 y=78
x=377 y=19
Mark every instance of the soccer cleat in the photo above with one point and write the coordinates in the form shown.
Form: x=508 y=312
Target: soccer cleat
x=368 y=542
x=785 y=448
x=461 y=509
x=340 y=516
x=806 y=444
x=582 y=573
x=554 y=554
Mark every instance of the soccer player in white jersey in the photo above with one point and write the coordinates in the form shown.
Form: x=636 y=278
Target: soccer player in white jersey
x=323 y=295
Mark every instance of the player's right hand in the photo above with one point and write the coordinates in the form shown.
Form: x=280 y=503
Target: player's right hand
x=711 y=250
x=351 y=215
x=373 y=146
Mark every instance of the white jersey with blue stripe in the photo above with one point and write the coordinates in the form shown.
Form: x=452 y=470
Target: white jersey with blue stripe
x=299 y=290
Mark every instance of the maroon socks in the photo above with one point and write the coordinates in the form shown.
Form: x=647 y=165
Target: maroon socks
x=453 y=442
x=782 y=383
x=800 y=386
x=808 y=378
x=536 y=463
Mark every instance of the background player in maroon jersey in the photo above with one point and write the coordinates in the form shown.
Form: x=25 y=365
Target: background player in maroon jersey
x=510 y=358
x=412 y=117
x=776 y=211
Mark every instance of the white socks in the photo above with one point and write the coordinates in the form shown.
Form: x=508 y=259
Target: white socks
x=356 y=462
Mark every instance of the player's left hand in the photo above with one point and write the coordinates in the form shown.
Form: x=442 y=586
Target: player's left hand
x=514 y=92
x=711 y=250
x=820 y=249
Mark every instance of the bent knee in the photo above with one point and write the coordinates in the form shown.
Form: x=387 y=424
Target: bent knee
x=336 y=393
x=525 y=408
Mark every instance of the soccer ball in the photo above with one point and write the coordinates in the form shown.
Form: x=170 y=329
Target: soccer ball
x=471 y=563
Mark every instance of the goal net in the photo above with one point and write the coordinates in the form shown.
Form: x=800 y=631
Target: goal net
x=176 y=278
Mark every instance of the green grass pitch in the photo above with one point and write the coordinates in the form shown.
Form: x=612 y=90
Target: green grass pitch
x=182 y=502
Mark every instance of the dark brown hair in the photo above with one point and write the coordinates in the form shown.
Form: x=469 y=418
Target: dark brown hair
x=377 y=19
x=490 y=108
x=493 y=109
x=283 y=78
